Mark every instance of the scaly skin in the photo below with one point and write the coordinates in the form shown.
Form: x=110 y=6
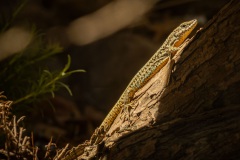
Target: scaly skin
x=154 y=65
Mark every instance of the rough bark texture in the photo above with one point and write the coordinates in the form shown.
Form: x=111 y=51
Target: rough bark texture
x=197 y=115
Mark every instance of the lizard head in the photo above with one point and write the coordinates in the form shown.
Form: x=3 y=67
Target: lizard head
x=183 y=30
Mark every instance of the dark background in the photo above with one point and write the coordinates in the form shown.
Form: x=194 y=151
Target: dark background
x=110 y=62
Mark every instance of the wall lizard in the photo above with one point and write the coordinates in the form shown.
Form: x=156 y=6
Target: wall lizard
x=154 y=65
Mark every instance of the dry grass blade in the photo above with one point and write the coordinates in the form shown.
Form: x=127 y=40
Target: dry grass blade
x=16 y=144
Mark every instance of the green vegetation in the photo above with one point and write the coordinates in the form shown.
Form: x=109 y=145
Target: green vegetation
x=25 y=79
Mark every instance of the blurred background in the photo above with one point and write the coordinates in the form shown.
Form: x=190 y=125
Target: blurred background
x=110 y=39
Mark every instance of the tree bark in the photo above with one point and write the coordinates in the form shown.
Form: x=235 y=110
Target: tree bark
x=197 y=115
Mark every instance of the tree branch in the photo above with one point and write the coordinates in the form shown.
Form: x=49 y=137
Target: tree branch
x=197 y=114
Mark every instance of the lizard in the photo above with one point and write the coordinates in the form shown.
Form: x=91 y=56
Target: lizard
x=154 y=65
x=168 y=49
